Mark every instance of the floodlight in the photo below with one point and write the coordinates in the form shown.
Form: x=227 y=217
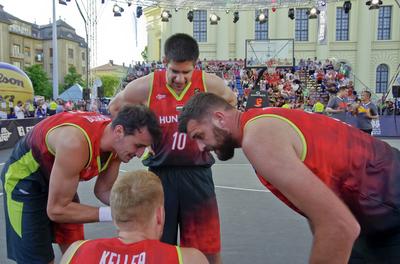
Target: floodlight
x=165 y=16
x=313 y=13
x=214 y=19
x=139 y=11
x=117 y=10
x=291 y=13
x=235 y=16
x=261 y=18
x=347 y=6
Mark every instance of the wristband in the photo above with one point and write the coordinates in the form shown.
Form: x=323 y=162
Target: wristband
x=105 y=214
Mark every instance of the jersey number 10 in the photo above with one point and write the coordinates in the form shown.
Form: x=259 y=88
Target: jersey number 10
x=179 y=141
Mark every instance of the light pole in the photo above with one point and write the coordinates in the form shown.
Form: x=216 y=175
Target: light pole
x=55 y=54
x=87 y=47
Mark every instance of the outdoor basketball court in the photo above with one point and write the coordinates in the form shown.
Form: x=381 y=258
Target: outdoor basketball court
x=256 y=227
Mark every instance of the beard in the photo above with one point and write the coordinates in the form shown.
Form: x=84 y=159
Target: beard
x=225 y=148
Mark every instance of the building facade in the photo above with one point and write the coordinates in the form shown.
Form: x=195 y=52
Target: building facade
x=367 y=40
x=24 y=44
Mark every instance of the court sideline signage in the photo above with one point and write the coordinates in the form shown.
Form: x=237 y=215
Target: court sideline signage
x=14 y=129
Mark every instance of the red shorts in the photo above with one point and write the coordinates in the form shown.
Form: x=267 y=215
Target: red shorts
x=190 y=206
x=67 y=233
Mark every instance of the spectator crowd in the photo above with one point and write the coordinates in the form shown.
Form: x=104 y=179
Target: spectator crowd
x=310 y=85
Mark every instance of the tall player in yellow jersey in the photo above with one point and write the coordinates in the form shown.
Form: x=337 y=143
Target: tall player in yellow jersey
x=184 y=170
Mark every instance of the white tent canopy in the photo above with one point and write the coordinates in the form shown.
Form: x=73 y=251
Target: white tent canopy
x=73 y=93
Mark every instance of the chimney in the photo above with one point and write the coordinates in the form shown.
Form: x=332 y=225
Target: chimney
x=111 y=62
x=1 y=8
x=123 y=64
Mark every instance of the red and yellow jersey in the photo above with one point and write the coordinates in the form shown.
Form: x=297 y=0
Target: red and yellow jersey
x=113 y=250
x=362 y=170
x=175 y=148
x=90 y=124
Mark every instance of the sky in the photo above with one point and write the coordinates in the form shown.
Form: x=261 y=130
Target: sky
x=115 y=35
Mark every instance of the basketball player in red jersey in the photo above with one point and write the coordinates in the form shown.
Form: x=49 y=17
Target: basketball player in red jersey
x=184 y=170
x=41 y=177
x=137 y=206
x=346 y=182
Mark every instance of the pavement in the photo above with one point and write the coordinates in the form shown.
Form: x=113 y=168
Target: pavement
x=256 y=227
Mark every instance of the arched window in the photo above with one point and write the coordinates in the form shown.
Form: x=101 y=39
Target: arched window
x=382 y=77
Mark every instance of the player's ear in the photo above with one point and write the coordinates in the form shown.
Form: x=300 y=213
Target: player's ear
x=119 y=131
x=160 y=215
x=218 y=118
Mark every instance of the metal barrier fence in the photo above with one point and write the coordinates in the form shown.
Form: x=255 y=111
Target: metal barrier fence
x=12 y=130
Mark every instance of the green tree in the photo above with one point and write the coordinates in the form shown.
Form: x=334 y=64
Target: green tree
x=40 y=80
x=110 y=85
x=72 y=78
x=145 y=54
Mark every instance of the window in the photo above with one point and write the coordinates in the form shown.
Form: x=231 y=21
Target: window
x=27 y=51
x=38 y=55
x=17 y=63
x=51 y=52
x=384 y=22
x=200 y=25
x=382 y=76
x=16 y=49
x=342 y=24
x=261 y=30
x=301 y=30
x=83 y=56
x=70 y=53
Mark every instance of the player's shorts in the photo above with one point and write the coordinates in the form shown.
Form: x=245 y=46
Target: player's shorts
x=190 y=202
x=29 y=231
x=380 y=249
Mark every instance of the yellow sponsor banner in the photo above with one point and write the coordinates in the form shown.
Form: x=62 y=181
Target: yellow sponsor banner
x=14 y=83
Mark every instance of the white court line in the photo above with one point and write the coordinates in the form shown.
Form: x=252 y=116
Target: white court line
x=231 y=164
x=241 y=189
x=229 y=187
x=217 y=186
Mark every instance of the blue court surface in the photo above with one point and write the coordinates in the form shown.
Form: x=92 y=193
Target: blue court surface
x=255 y=226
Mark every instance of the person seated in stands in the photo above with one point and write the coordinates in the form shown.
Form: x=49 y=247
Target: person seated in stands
x=388 y=108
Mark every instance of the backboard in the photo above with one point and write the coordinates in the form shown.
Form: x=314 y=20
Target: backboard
x=271 y=53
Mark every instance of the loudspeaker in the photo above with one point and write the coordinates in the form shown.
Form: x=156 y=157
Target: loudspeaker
x=86 y=94
x=396 y=91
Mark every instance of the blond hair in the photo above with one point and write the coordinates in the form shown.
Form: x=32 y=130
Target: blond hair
x=135 y=197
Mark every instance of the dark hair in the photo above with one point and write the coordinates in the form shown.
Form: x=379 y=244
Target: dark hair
x=180 y=48
x=134 y=117
x=199 y=106
x=368 y=93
